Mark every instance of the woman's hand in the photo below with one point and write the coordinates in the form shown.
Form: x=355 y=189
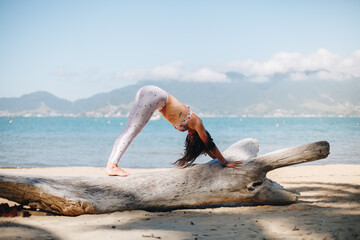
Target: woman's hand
x=233 y=164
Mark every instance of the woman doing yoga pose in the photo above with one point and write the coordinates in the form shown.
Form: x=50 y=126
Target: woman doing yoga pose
x=149 y=99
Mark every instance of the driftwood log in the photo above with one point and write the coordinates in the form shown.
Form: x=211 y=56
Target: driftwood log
x=201 y=184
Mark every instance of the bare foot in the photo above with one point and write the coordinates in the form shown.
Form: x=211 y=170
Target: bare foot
x=113 y=170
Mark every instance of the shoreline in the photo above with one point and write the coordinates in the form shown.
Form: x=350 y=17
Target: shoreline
x=203 y=115
x=156 y=168
x=328 y=208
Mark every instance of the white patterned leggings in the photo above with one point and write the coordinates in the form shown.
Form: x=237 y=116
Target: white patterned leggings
x=148 y=99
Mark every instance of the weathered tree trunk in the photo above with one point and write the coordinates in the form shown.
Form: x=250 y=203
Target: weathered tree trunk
x=201 y=184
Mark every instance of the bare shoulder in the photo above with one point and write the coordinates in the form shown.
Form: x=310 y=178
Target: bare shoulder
x=195 y=122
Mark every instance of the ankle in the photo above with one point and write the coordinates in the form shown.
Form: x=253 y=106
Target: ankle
x=111 y=165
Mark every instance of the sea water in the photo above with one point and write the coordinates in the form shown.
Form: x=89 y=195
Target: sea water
x=60 y=141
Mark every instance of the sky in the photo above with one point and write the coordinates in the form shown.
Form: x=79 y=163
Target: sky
x=75 y=49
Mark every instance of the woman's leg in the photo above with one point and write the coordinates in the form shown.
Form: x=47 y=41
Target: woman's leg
x=148 y=99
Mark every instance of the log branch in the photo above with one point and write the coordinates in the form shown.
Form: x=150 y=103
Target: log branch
x=294 y=155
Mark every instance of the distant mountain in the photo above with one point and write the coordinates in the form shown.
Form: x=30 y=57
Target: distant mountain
x=277 y=97
x=37 y=102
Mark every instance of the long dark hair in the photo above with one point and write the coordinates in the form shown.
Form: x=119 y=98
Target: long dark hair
x=194 y=147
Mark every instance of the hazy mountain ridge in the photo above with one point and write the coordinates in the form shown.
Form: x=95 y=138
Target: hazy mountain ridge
x=239 y=97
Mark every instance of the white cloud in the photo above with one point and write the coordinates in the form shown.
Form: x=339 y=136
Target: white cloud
x=169 y=71
x=175 y=71
x=322 y=65
x=205 y=75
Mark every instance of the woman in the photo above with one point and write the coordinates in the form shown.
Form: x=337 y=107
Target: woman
x=151 y=98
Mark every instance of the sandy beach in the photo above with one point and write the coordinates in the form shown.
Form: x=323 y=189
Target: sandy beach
x=329 y=208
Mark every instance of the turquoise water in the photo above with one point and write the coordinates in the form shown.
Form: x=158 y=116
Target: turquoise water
x=55 y=142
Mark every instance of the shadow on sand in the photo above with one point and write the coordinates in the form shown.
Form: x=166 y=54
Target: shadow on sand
x=324 y=211
x=17 y=231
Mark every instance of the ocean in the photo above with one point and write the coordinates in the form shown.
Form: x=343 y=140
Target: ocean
x=62 y=142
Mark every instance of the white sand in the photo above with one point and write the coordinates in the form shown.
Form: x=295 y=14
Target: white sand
x=329 y=208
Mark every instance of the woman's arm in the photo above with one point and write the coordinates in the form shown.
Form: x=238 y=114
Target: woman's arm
x=213 y=151
x=210 y=155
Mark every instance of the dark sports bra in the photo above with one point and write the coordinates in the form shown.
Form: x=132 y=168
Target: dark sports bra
x=183 y=126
